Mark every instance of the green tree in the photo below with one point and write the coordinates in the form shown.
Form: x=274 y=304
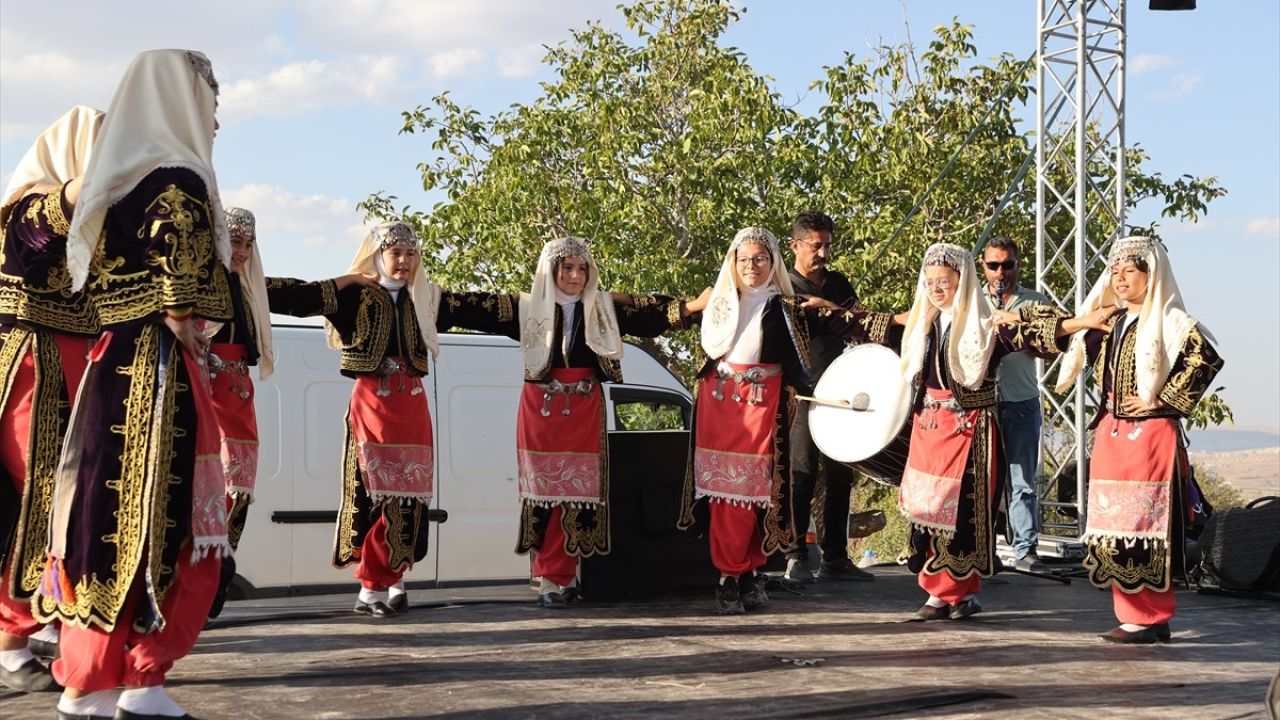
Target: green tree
x=659 y=145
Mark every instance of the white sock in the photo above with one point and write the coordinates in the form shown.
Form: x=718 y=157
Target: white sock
x=369 y=596
x=149 y=701
x=48 y=633
x=935 y=602
x=547 y=586
x=101 y=703
x=11 y=660
x=1130 y=627
x=397 y=589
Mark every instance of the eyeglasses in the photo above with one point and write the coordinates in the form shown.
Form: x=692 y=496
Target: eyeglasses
x=756 y=260
x=816 y=247
x=1006 y=265
x=939 y=284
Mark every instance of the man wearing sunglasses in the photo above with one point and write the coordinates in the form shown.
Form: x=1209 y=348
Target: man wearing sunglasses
x=1018 y=406
x=811 y=244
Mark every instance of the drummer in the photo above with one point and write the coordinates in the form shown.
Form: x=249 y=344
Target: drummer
x=950 y=351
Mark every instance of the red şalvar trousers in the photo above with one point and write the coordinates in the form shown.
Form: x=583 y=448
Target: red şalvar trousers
x=15 y=439
x=550 y=561
x=947 y=588
x=374 y=570
x=735 y=538
x=91 y=660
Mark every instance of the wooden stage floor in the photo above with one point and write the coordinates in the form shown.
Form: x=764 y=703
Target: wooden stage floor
x=842 y=650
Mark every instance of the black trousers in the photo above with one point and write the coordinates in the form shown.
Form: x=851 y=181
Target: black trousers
x=808 y=465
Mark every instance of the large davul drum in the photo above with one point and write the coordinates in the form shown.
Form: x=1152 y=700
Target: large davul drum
x=861 y=412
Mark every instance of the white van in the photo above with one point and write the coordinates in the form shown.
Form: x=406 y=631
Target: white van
x=473 y=391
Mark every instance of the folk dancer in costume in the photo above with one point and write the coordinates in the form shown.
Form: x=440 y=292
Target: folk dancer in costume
x=755 y=333
x=386 y=335
x=951 y=348
x=47 y=331
x=1153 y=363
x=571 y=341
x=139 y=522
x=243 y=343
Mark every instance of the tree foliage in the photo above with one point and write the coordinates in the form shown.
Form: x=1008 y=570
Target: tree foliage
x=658 y=144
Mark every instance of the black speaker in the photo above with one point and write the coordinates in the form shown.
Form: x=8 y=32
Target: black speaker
x=1240 y=549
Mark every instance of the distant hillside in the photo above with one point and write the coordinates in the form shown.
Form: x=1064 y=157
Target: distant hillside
x=1253 y=472
x=1216 y=441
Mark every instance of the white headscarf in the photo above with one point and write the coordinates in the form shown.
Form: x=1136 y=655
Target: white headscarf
x=59 y=155
x=424 y=293
x=161 y=116
x=1163 y=322
x=537 y=309
x=253 y=283
x=731 y=315
x=972 y=337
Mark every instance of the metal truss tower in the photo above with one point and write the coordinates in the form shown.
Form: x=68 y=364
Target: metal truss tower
x=1080 y=199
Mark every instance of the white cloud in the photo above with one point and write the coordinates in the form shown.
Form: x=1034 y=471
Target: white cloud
x=307 y=236
x=520 y=62
x=1264 y=227
x=454 y=62
x=1180 y=86
x=304 y=86
x=1151 y=62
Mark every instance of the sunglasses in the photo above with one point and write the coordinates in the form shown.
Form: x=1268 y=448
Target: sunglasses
x=1006 y=265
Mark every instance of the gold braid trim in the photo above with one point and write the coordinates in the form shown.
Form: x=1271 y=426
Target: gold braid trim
x=15 y=346
x=402 y=533
x=595 y=538
x=1200 y=364
x=1104 y=570
x=33 y=306
x=982 y=559
x=415 y=349
x=368 y=344
x=328 y=297
x=1038 y=328
x=236 y=518
x=57 y=220
x=160 y=475
x=688 y=497
x=776 y=537
x=344 y=530
x=675 y=320
x=876 y=326
x=48 y=424
x=99 y=602
x=799 y=326
x=506 y=308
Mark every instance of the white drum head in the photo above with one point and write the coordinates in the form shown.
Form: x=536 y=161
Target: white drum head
x=850 y=435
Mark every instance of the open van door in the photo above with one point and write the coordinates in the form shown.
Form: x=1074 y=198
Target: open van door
x=649 y=443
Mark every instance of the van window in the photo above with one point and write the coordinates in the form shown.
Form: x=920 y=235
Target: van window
x=649 y=416
x=637 y=409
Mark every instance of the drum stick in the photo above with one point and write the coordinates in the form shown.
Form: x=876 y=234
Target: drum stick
x=860 y=402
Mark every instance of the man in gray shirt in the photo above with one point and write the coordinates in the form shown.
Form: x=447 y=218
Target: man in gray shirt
x=1018 y=406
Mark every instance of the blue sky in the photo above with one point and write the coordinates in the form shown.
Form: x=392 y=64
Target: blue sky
x=313 y=90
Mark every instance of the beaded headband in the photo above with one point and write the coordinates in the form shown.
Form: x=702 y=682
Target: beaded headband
x=203 y=68
x=754 y=234
x=240 y=221
x=394 y=233
x=557 y=250
x=948 y=255
x=1136 y=247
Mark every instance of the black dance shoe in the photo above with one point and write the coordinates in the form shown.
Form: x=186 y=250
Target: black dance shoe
x=1145 y=636
x=377 y=608
x=33 y=676
x=728 y=599
x=929 y=612
x=965 y=609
